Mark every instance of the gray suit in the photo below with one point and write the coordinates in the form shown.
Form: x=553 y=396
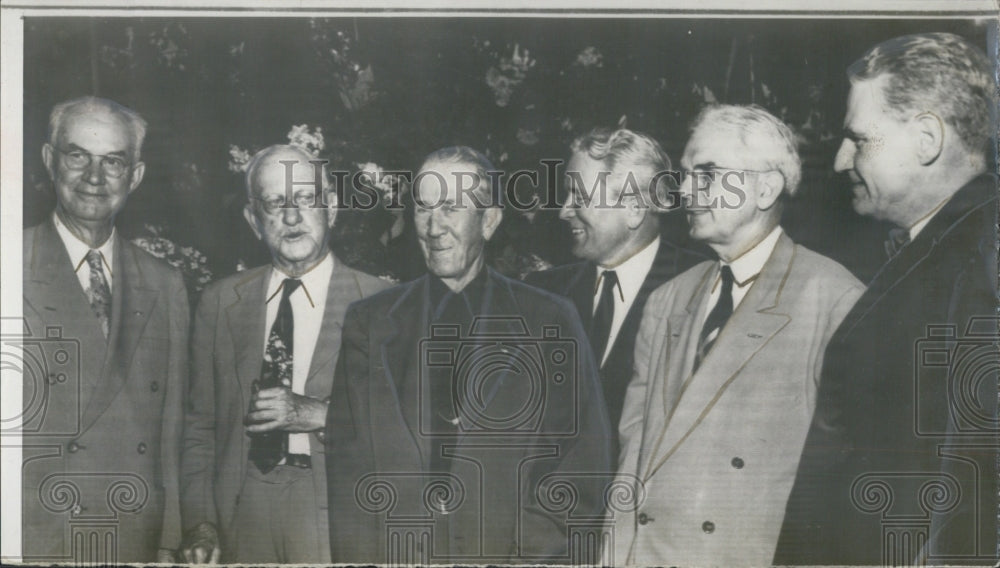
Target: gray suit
x=716 y=450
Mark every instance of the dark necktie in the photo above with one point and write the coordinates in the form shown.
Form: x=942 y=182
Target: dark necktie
x=898 y=238
x=717 y=318
x=600 y=327
x=268 y=448
x=99 y=293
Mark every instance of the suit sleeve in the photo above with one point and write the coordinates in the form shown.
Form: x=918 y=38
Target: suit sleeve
x=838 y=311
x=173 y=411
x=585 y=460
x=353 y=533
x=198 y=453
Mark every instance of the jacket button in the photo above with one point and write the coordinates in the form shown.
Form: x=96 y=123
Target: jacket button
x=737 y=463
x=708 y=527
x=155 y=386
x=644 y=518
x=141 y=448
x=73 y=447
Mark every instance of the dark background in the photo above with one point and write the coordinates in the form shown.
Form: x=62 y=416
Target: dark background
x=390 y=90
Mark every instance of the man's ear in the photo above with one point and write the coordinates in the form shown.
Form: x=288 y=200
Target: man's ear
x=930 y=132
x=331 y=207
x=48 y=158
x=636 y=212
x=769 y=187
x=138 y=170
x=491 y=220
x=251 y=218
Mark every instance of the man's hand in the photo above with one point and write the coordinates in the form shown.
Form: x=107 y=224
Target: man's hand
x=201 y=545
x=280 y=409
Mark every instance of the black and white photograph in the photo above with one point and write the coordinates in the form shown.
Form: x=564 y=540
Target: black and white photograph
x=464 y=283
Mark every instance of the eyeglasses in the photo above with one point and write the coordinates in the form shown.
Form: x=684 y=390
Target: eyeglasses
x=276 y=203
x=112 y=166
x=714 y=171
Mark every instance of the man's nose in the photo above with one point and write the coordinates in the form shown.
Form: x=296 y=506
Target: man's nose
x=95 y=171
x=845 y=156
x=568 y=209
x=291 y=215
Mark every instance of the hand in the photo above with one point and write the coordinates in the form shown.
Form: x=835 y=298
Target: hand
x=201 y=545
x=280 y=409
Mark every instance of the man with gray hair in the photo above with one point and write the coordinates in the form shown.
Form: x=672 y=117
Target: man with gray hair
x=108 y=432
x=619 y=186
x=906 y=419
x=466 y=423
x=265 y=346
x=727 y=359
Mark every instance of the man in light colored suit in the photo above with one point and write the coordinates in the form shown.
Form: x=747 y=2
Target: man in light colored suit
x=727 y=358
x=102 y=423
x=265 y=346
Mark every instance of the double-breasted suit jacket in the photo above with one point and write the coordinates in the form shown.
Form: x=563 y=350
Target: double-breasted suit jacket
x=534 y=422
x=713 y=452
x=103 y=420
x=226 y=355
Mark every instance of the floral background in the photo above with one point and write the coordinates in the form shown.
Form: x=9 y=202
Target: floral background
x=378 y=94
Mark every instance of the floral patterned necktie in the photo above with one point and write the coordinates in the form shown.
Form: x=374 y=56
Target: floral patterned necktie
x=99 y=293
x=268 y=448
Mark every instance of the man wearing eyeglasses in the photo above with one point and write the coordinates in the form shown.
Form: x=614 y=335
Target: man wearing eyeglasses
x=109 y=427
x=727 y=358
x=265 y=346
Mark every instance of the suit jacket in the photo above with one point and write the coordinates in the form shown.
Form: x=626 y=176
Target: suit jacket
x=531 y=454
x=714 y=452
x=577 y=281
x=905 y=429
x=102 y=422
x=227 y=351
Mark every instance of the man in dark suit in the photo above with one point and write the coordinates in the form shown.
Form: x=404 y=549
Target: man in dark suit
x=900 y=463
x=100 y=473
x=614 y=216
x=466 y=423
x=265 y=345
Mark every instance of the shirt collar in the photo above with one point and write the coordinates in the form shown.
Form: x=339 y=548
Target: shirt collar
x=748 y=266
x=473 y=291
x=919 y=225
x=78 y=249
x=633 y=271
x=317 y=278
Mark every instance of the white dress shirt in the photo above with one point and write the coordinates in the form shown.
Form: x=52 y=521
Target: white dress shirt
x=78 y=250
x=308 y=304
x=919 y=225
x=631 y=274
x=745 y=269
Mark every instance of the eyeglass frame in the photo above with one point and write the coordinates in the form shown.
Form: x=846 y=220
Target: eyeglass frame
x=127 y=164
x=298 y=201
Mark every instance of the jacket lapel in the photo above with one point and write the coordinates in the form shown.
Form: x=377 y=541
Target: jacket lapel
x=581 y=290
x=132 y=302
x=343 y=289
x=752 y=325
x=54 y=292
x=246 y=318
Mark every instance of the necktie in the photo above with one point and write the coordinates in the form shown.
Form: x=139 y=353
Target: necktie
x=717 y=318
x=268 y=448
x=898 y=238
x=600 y=327
x=99 y=293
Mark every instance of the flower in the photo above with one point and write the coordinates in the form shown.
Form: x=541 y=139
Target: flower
x=508 y=73
x=238 y=159
x=190 y=261
x=590 y=57
x=307 y=139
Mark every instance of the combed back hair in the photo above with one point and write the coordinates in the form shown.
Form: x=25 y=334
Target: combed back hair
x=262 y=155
x=623 y=151
x=489 y=189
x=90 y=104
x=762 y=134
x=935 y=72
